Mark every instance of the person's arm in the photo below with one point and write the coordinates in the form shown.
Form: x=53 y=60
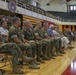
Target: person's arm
x=36 y=34
x=64 y=33
x=56 y=34
x=47 y=36
x=16 y=40
x=3 y=32
x=5 y=35
x=13 y=34
x=23 y=31
x=38 y=37
x=24 y=40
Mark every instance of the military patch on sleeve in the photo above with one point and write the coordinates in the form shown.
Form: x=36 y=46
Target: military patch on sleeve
x=14 y=36
x=36 y=34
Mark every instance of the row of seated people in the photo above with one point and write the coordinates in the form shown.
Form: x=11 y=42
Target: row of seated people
x=69 y=33
x=32 y=45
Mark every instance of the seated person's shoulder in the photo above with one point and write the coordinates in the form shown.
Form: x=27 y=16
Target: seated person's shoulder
x=35 y=29
x=12 y=28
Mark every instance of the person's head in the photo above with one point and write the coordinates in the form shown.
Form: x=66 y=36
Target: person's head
x=57 y=26
x=70 y=30
x=38 y=24
x=52 y=26
x=32 y=26
x=66 y=29
x=17 y=21
x=45 y=25
x=27 y=24
x=3 y=24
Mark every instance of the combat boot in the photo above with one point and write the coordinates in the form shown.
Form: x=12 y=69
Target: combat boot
x=45 y=57
x=37 y=62
x=58 y=54
x=53 y=53
x=32 y=65
x=39 y=59
x=50 y=56
x=27 y=59
x=62 y=51
x=16 y=70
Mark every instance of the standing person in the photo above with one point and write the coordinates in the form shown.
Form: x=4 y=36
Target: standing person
x=17 y=37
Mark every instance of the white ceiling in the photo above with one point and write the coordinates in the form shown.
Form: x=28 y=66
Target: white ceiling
x=53 y=1
x=55 y=5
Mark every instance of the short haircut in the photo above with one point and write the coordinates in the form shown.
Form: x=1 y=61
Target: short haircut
x=38 y=23
x=15 y=19
x=2 y=21
x=45 y=23
x=24 y=22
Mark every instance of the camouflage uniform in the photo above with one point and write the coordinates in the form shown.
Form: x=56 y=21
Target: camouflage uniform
x=11 y=49
x=57 y=41
x=15 y=32
x=36 y=45
x=45 y=43
x=51 y=41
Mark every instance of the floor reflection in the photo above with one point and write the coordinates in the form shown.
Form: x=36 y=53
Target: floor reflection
x=71 y=70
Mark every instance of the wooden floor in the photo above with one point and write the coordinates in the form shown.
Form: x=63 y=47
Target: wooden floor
x=53 y=67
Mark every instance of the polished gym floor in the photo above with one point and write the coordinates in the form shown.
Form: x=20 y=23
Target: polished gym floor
x=61 y=65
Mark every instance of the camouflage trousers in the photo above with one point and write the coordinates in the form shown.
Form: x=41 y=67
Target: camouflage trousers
x=50 y=46
x=36 y=48
x=13 y=50
x=26 y=49
x=45 y=45
x=58 y=45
